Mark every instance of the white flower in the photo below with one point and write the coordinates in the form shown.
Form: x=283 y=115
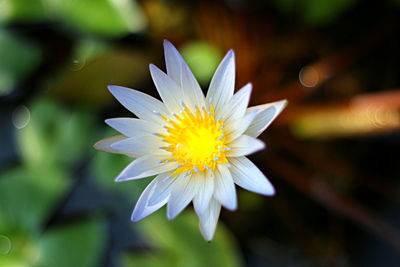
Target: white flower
x=195 y=145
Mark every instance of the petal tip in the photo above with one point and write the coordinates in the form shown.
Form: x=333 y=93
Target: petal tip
x=167 y=44
x=282 y=104
x=269 y=191
x=135 y=217
x=119 y=179
x=113 y=88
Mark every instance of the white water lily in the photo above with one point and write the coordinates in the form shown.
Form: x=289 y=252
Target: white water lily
x=195 y=145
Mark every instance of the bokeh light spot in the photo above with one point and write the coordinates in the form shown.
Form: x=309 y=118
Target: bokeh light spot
x=77 y=64
x=21 y=117
x=5 y=244
x=309 y=76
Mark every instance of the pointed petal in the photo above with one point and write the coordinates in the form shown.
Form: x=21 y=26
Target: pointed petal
x=223 y=83
x=236 y=128
x=193 y=95
x=143 y=208
x=163 y=187
x=183 y=191
x=145 y=166
x=147 y=144
x=244 y=145
x=245 y=174
x=170 y=92
x=225 y=191
x=133 y=127
x=205 y=191
x=236 y=107
x=141 y=104
x=265 y=116
x=173 y=61
x=105 y=145
x=209 y=219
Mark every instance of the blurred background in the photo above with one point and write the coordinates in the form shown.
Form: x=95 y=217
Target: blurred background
x=332 y=154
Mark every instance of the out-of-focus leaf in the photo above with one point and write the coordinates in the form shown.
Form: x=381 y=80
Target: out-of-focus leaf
x=85 y=50
x=22 y=10
x=89 y=83
x=75 y=136
x=323 y=12
x=315 y=12
x=77 y=244
x=54 y=135
x=28 y=196
x=23 y=249
x=104 y=17
x=17 y=59
x=179 y=243
x=202 y=59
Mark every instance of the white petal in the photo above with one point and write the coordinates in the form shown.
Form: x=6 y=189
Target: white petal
x=147 y=144
x=105 y=145
x=141 y=104
x=205 y=191
x=183 y=191
x=236 y=107
x=145 y=166
x=173 y=61
x=225 y=191
x=170 y=92
x=223 y=83
x=163 y=187
x=178 y=70
x=244 y=145
x=133 y=127
x=245 y=174
x=209 y=219
x=143 y=208
x=266 y=115
x=236 y=128
x=193 y=94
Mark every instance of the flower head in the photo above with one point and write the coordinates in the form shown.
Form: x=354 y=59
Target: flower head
x=195 y=145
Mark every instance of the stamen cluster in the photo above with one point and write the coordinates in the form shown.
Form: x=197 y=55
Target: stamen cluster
x=195 y=140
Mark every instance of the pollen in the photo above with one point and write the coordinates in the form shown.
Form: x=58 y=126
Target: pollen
x=195 y=140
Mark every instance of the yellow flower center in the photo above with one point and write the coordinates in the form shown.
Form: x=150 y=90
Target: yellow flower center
x=195 y=139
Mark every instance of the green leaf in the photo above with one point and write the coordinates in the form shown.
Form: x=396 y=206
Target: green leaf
x=77 y=244
x=318 y=12
x=28 y=196
x=103 y=17
x=22 y=10
x=179 y=243
x=55 y=136
x=22 y=249
x=315 y=12
x=18 y=58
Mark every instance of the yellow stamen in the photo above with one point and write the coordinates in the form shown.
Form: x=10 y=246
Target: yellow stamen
x=195 y=140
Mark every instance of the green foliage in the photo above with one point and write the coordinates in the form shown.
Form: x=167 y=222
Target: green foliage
x=315 y=12
x=100 y=17
x=27 y=197
x=202 y=59
x=22 y=10
x=179 y=243
x=78 y=244
x=104 y=17
x=18 y=58
x=55 y=136
x=53 y=140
